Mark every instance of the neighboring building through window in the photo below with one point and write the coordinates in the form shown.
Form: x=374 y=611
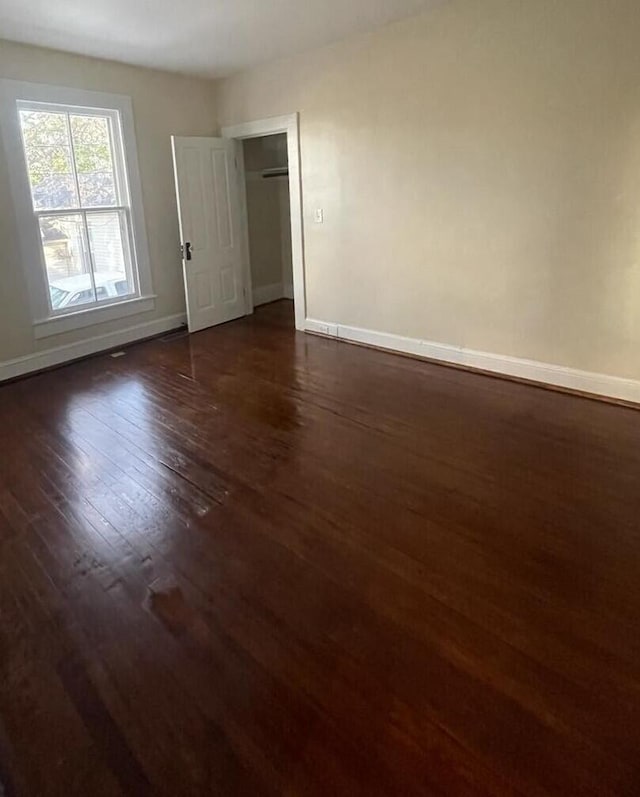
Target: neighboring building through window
x=83 y=236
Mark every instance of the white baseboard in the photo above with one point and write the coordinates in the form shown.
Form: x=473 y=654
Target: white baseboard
x=557 y=375
x=73 y=351
x=268 y=293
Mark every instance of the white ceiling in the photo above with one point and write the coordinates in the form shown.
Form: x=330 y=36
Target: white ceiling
x=203 y=37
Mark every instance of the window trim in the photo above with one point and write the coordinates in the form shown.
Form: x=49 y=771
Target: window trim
x=44 y=322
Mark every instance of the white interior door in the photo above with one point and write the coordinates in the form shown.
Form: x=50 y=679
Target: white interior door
x=210 y=228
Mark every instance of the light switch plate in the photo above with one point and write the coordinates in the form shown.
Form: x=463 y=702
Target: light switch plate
x=319 y=216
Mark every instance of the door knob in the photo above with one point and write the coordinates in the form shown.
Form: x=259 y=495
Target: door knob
x=185 y=250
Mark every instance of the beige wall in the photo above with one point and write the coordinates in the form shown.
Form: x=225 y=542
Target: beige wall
x=479 y=170
x=163 y=104
x=268 y=212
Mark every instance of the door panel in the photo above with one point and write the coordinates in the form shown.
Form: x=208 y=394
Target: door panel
x=210 y=220
x=222 y=199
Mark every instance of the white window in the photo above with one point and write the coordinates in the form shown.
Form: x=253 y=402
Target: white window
x=78 y=203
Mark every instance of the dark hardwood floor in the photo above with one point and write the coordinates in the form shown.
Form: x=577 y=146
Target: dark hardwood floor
x=255 y=562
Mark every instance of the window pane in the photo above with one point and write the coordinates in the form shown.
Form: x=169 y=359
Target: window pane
x=66 y=260
x=44 y=128
x=48 y=153
x=97 y=190
x=110 y=255
x=93 y=156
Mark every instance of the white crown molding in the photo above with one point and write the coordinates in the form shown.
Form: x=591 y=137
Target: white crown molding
x=74 y=351
x=559 y=376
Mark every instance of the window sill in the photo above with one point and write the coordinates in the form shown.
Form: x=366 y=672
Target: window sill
x=95 y=315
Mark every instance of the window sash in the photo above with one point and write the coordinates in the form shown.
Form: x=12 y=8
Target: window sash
x=118 y=157
x=126 y=232
x=72 y=211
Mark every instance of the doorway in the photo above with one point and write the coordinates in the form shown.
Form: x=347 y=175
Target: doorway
x=266 y=174
x=274 y=132
x=211 y=193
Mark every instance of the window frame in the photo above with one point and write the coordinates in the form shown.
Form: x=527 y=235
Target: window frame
x=119 y=107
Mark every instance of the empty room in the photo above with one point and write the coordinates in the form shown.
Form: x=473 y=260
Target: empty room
x=320 y=398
